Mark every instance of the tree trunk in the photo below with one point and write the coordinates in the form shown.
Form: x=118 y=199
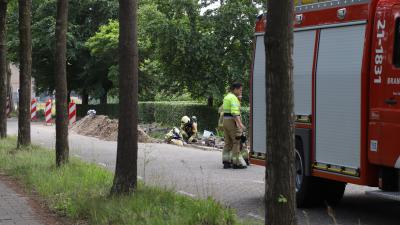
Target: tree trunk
x=103 y=99
x=279 y=177
x=125 y=178
x=62 y=148
x=68 y=95
x=3 y=70
x=210 y=101
x=85 y=98
x=9 y=88
x=25 y=73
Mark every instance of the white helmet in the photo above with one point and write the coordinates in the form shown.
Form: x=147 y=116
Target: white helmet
x=185 y=120
x=176 y=131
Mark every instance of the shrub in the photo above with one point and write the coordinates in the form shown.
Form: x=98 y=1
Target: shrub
x=40 y=114
x=170 y=114
x=246 y=116
x=146 y=112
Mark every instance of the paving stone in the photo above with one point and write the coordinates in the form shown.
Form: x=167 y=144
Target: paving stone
x=14 y=209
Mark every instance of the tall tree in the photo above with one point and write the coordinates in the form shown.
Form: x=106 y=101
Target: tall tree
x=9 y=87
x=3 y=69
x=125 y=178
x=25 y=56
x=62 y=148
x=279 y=182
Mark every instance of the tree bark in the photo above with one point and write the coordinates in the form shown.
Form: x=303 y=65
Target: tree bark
x=9 y=88
x=62 y=148
x=279 y=182
x=3 y=70
x=85 y=98
x=103 y=99
x=125 y=178
x=210 y=101
x=68 y=95
x=25 y=73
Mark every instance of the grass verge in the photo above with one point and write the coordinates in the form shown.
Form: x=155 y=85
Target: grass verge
x=79 y=191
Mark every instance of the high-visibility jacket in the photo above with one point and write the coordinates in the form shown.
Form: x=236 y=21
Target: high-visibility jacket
x=231 y=105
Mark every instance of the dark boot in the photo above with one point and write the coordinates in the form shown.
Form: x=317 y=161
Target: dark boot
x=239 y=167
x=227 y=165
x=247 y=162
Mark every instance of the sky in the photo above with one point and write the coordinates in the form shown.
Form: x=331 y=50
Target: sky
x=212 y=6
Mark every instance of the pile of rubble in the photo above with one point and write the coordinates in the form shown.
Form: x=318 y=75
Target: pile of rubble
x=104 y=128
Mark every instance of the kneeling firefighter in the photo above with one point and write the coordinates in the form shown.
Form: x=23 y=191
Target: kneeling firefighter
x=189 y=129
x=233 y=129
x=174 y=136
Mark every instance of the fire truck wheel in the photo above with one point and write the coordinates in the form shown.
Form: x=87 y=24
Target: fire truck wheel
x=333 y=191
x=307 y=188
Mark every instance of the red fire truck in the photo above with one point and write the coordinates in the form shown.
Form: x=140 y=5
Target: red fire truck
x=346 y=59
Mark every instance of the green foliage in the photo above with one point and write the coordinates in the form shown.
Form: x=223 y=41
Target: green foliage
x=40 y=114
x=147 y=112
x=170 y=114
x=85 y=16
x=282 y=199
x=184 y=51
x=104 y=43
x=80 y=191
x=182 y=48
x=163 y=97
x=246 y=116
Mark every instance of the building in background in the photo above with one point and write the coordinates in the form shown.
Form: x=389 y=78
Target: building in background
x=15 y=84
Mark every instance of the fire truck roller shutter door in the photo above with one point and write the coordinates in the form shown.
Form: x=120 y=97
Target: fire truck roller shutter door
x=259 y=106
x=338 y=96
x=303 y=63
x=303 y=55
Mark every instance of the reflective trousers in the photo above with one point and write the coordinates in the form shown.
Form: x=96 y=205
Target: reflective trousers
x=231 y=151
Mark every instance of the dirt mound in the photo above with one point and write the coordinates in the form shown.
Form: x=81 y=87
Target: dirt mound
x=104 y=128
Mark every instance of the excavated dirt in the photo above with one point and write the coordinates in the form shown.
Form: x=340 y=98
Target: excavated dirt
x=104 y=128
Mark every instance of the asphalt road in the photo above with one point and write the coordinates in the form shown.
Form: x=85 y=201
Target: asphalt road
x=199 y=173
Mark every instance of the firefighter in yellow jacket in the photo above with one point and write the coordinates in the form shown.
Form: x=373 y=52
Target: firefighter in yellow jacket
x=233 y=129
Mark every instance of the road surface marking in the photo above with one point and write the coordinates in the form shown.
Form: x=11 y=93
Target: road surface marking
x=256 y=216
x=258 y=181
x=186 y=193
x=102 y=164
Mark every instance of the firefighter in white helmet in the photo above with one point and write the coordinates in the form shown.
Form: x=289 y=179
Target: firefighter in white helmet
x=189 y=129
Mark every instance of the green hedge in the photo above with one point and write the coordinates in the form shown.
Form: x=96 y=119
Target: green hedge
x=246 y=116
x=167 y=113
x=170 y=114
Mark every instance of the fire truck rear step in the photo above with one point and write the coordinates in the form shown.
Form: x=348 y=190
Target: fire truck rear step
x=384 y=194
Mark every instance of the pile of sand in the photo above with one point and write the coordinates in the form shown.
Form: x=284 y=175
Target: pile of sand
x=104 y=128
